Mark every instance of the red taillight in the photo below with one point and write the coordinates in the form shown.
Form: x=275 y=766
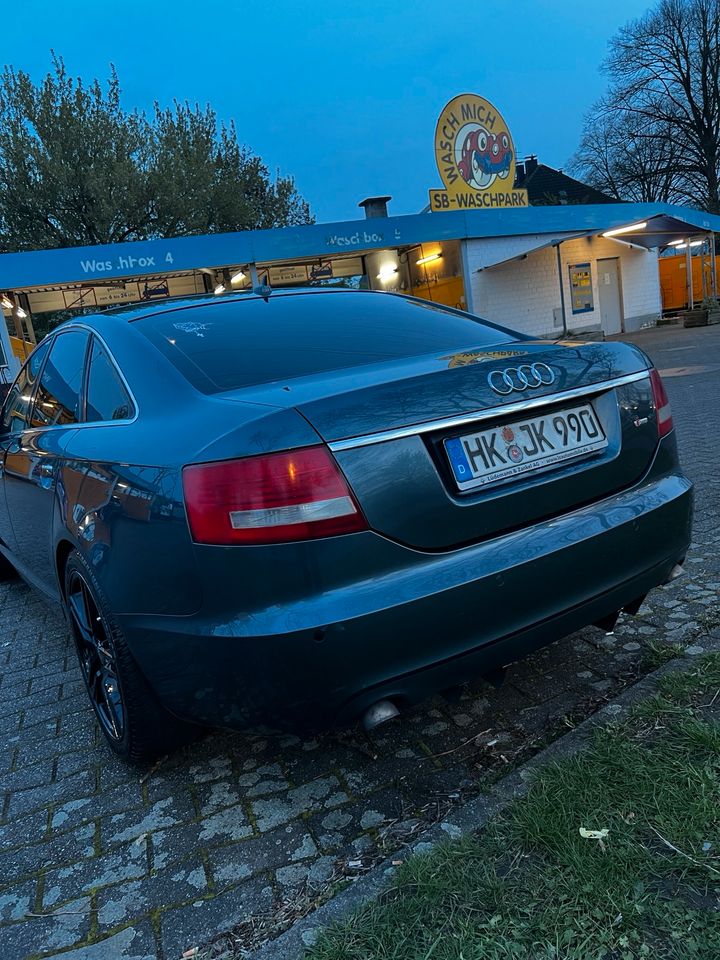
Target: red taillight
x=273 y=498
x=662 y=404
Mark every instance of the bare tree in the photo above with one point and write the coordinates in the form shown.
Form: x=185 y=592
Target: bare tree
x=656 y=135
x=630 y=160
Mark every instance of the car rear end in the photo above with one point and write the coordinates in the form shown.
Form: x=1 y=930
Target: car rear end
x=445 y=512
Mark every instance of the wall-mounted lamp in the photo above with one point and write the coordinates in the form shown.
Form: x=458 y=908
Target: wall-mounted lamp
x=238 y=277
x=430 y=258
x=681 y=245
x=631 y=228
x=220 y=288
x=387 y=272
x=20 y=312
x=6 y=302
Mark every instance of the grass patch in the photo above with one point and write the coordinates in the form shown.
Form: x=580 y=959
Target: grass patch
x=532 y=888
x=657 y=653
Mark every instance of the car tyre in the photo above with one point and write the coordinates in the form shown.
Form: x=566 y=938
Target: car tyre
x=7 y=570
x=136 y=726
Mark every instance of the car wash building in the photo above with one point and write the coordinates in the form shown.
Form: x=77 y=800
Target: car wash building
x=548 y=270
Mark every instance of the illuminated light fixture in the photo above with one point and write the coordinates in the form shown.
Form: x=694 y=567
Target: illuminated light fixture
x=676 y=243
x=220 y=288
x=693 y=243
x=6 y=302
x=631 y=228
x=238 y=277
x=20 y=312
x=430 y=258
x=387 y=272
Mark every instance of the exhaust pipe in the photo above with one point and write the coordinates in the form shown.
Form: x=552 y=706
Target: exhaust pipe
x=379 y=713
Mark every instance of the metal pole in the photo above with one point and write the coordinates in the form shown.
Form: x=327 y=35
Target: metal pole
x=562 y=288
x=713 y=264
x=688 y=274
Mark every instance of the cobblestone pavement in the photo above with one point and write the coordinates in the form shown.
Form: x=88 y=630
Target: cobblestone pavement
x=98 y=860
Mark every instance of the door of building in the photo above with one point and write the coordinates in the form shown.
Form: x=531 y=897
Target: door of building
x=611 y=309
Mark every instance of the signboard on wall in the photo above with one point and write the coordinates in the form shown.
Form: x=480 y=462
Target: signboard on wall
x=127 y=293
x=292 y=273
x=581 y=290
x=475 y=157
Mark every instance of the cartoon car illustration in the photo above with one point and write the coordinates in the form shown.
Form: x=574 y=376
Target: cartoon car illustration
x=484 y=155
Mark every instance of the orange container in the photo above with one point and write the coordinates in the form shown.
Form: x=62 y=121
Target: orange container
x=673 y=280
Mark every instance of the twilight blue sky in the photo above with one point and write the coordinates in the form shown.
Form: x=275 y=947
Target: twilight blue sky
x=342 y=95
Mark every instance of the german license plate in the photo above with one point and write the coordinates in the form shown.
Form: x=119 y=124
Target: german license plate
x=525 y=446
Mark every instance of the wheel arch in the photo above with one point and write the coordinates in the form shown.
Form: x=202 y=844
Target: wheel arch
x=63 y=550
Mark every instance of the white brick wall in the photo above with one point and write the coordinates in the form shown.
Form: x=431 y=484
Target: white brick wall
x=524 y=293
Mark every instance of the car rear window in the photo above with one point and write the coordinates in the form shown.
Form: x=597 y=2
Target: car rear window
x=238 y=343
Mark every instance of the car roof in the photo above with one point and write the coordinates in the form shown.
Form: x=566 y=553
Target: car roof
x=133 y=312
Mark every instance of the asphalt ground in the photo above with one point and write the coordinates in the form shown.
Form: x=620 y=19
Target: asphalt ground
x=245 y=832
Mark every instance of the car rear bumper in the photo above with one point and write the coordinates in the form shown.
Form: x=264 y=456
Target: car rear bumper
x=416 y=628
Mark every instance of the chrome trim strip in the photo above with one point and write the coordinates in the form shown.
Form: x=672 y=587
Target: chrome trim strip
x=500 y=411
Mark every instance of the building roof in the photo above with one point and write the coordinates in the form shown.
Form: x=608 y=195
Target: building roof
x=96 y=264
x=547 y=186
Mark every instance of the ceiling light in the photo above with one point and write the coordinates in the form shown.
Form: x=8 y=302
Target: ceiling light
x=676 y=243
x=430 y=258
x=6 y=302
x=20 y=312
x=681 y=245
x=631 y=228
x=220 y=288
x=387 y=272
x=237 y=277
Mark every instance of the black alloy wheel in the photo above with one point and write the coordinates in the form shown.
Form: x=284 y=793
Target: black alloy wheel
x=96 y=653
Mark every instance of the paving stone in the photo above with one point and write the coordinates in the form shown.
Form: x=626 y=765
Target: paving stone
x=66 y=848
x=124 y=901
x=17 y=902
x=23 y=830
x=133 y=943
x=323 y=792
x=336 y=829
x=126 y=863
x=229 y=824
x=193 y=925
x=168 y=812
x=35 y=934
x=288 y=844
x=23 y=801
x=124 y=800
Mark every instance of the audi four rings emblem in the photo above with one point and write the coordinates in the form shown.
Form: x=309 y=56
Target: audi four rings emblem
x=528 y=375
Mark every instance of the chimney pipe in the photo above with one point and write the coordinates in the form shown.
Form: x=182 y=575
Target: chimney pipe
x=375 y=206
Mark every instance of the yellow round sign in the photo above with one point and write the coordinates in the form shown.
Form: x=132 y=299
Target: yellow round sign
x=475 y=156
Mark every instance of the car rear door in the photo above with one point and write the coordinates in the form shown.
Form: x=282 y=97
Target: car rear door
x=31 y=461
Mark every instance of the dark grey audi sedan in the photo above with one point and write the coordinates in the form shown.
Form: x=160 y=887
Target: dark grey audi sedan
x=307 y=507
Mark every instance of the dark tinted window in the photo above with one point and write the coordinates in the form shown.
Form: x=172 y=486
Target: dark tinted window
x=18 y=399
x=226 y=345
x=107 y=398
x=57 y=401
